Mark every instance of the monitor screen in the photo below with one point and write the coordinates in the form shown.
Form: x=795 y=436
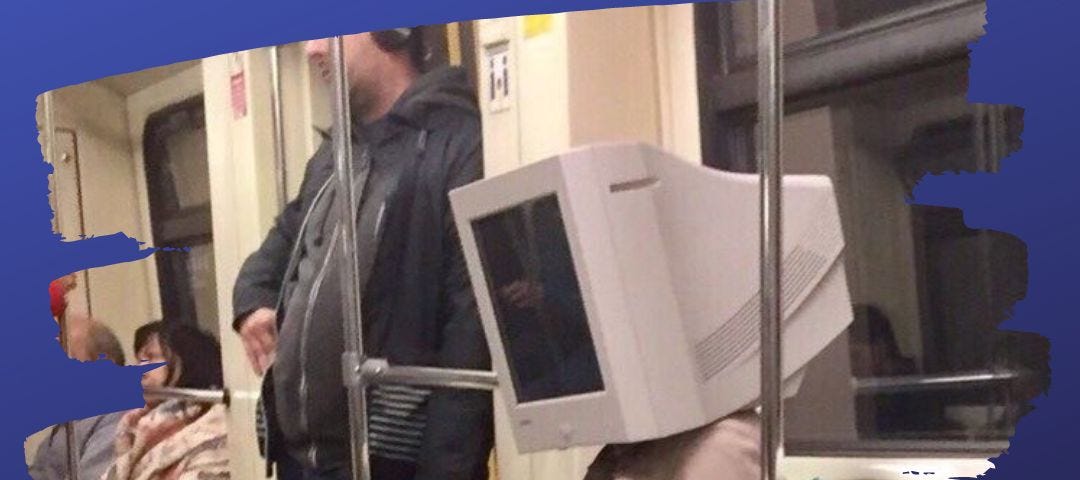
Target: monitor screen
x=537 y=301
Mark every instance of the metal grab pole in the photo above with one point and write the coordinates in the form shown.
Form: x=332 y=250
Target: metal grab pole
x=770 y=116
x=279 y=126
x=50 y=153
x=350 y=273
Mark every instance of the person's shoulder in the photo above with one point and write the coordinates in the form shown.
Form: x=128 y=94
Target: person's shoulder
x=457 y=131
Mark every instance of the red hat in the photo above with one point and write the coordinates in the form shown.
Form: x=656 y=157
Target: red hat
x=57 y=297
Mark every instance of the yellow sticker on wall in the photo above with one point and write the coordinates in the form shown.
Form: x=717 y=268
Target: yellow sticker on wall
x=537 y=25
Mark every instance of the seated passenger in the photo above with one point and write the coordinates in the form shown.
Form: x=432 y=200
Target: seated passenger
x=172 y=439
x=88 y=340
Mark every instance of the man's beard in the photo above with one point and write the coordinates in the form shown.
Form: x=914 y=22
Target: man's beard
x=359 y=103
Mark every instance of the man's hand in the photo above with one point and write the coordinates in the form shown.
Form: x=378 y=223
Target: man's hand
x=259 y=334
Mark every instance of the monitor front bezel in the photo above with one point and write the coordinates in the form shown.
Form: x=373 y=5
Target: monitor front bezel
x=543 y=424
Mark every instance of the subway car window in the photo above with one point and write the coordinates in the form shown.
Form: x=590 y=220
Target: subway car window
x=177 y=176
x=923 y=367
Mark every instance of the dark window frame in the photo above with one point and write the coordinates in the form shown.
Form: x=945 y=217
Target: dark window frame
x=172 y=227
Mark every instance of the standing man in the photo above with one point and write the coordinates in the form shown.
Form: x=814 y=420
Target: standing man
x=416 y=137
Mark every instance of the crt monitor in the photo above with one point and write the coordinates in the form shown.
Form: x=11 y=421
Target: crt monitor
x=618 y=287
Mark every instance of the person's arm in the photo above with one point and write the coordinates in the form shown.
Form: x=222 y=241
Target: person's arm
x=259 y=281
x=460 y=430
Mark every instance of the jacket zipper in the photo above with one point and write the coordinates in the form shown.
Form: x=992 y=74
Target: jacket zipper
x=312 y=296
x=289 y=269
x=313 y=449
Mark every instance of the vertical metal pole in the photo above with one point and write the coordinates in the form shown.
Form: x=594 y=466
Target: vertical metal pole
x=770 y=115
x=50 y=153
x=279 y=126
x=350 y=274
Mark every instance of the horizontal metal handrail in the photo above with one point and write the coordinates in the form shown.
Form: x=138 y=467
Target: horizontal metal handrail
x=188 y=395
x=375 y=371
x=921 y=382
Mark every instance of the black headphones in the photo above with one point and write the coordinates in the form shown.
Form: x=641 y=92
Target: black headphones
x=394 y=39
x=408 y=39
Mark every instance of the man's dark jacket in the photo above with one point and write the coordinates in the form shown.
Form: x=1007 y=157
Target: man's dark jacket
x=417 y=303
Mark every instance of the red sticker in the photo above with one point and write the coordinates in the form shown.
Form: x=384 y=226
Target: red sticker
x=239 y=95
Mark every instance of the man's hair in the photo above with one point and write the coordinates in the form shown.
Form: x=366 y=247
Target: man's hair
x=144 y=333
x=102 y=341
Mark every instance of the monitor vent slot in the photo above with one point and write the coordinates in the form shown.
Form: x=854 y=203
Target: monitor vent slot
x=640 y=184
x=740 y=334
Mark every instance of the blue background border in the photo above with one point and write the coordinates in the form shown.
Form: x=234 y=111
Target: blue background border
x=1027 y=58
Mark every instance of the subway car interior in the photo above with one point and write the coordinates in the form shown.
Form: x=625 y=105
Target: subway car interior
x=204 y=156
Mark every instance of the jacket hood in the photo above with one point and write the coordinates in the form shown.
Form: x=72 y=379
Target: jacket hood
x=432 y=91
x=435 y=91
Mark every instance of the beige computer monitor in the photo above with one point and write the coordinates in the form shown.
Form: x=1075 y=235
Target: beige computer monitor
x=618 y=284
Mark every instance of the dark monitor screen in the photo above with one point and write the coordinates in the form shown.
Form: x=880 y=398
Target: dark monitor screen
x=537 y=300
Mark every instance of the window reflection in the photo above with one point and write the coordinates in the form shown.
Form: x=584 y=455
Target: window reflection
x=538 y=301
